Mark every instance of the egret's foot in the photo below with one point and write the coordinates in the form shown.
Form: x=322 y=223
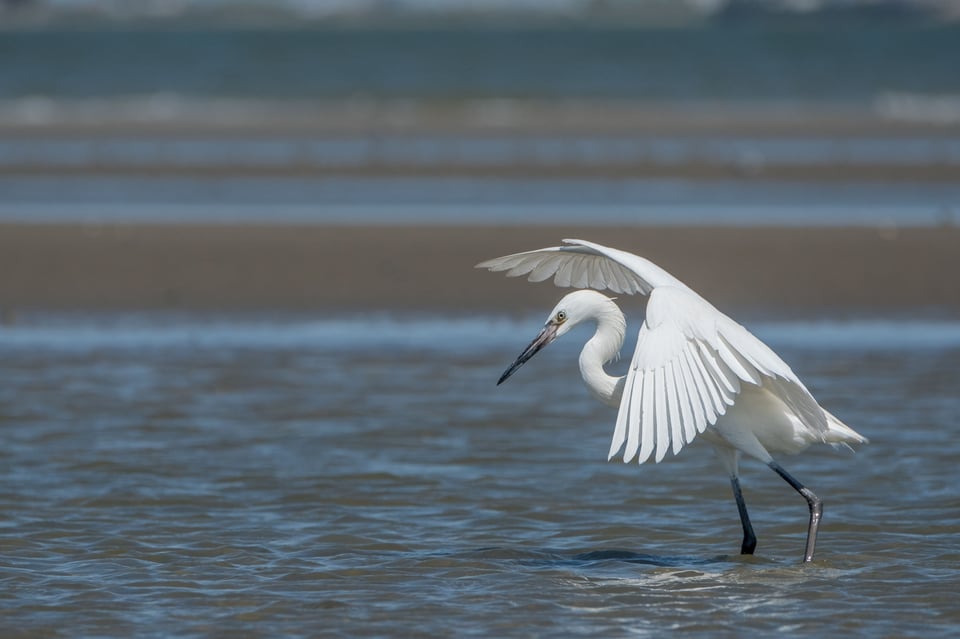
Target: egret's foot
x=815 y=504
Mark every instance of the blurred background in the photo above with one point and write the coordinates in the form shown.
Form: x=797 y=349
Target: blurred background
x=843 y=112
x=563 y=113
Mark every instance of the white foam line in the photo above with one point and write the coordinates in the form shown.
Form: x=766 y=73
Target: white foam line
x=64 y=333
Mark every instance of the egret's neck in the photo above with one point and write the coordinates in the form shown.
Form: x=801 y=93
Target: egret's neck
x=600 y=349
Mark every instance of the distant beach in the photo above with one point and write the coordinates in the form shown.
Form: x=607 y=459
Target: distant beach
x=792 y=272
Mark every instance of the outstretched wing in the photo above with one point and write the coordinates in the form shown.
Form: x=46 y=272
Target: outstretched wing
x=690 y=361
x=582 y=264
x=689 y=365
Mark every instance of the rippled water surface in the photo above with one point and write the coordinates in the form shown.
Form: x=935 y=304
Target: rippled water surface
x=364 y=477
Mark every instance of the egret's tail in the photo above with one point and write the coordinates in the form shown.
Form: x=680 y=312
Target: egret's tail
x=839 y=434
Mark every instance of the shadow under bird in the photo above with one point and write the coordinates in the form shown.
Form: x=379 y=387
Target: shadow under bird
x=695 y=371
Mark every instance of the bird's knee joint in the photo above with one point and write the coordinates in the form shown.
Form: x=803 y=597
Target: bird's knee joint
x=816 y=504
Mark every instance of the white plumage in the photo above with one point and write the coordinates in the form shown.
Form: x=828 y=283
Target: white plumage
x=695 y=372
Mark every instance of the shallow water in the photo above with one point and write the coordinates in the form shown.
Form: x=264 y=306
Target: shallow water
x=188 y=476
x=474 y=201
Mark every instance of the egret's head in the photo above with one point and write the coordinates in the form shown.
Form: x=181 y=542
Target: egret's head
x=573 y=309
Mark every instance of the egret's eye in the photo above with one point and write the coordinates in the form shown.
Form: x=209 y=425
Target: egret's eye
x=561 y=316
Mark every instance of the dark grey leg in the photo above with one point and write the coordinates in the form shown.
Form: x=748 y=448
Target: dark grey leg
x=814 y=502
x=749 y=539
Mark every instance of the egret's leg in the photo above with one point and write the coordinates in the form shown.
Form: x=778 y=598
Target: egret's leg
x=730 y=457
x=749 y=539
x=814 y=502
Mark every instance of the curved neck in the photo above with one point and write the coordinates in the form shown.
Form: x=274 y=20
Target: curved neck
x=603 y=347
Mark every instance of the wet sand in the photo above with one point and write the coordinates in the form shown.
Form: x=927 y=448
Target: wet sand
x=327 y=269
x=370 y=125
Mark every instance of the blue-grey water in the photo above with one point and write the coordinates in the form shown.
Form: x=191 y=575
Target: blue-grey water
x=471 y=201
x=183 y=475
x=828 y=59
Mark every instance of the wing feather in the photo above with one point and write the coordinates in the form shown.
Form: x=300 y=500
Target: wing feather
x=608 y=274
x=687 y=422
x=584 y=273
x=737 y=363
x=723 y=377
x=777 y=376
x=702 y=393
x=647 y=419
x=673 y=406
x=620 y=430
x=662 y=415
x=635 y=418
x=708 y=394
x=545 y=269
x=564 y=271
x=693 y=396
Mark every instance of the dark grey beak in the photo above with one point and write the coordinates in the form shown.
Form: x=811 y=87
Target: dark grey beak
x=547 y=335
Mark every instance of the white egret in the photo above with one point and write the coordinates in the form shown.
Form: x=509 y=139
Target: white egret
x=695 y=371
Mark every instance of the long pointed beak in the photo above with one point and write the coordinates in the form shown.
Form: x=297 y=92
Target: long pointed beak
x=547 y=335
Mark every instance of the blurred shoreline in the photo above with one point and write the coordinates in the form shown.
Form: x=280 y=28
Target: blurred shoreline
x=398 y=14
x=899 y=139
x=784 y=272
x=889 y=112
